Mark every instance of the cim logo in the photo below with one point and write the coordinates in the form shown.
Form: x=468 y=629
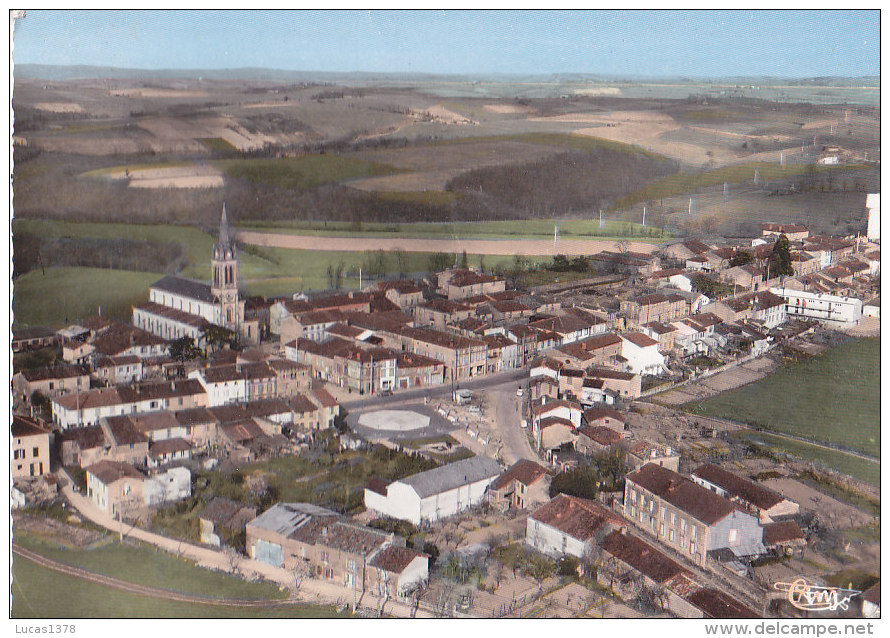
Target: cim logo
x=816 y=598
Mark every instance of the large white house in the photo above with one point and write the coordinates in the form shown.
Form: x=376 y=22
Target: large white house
x=435 y=494
x=829 y=309
x=641 y=353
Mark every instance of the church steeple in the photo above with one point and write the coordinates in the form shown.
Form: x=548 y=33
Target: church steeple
x=225 y=276
x=224 y=229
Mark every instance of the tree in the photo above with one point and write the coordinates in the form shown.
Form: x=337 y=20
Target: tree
x=568 y=566
x=560 y=263
x=216 y=335
x=463 y=259
x=780 y=260
x=622 y=246
x=582 y=482
x=741 y=258
x=440 y=261
x=611 y=464
x=580 y=264
x=184 y=349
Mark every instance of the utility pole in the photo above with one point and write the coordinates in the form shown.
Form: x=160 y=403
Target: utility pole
x=690 y=207
x=644 y=215
x=725 y=190
x=601 y=217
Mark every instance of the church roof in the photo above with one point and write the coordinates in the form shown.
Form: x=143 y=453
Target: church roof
x=186 y=287
x=224 y=229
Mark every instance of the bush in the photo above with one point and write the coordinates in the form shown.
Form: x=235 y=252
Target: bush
x=568 y=566
x=404 y=529
x=581 y=481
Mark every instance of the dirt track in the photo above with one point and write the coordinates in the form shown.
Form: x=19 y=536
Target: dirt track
x=472 y=246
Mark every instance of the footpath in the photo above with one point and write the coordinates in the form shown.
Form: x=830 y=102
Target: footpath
x=304 y=590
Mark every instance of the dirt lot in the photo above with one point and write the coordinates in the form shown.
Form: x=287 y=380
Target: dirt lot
x=171 y=177
x=63 y=532
x=471 y=246
x=721 y=382
x=834 y=513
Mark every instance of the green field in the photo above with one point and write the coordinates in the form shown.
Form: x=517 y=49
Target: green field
x=859 y=468
x=66 y=295
x=566 y=141
x=684 y=183
x=155 y=569
x=833 y=398
x=303 y=172
x=38 y=592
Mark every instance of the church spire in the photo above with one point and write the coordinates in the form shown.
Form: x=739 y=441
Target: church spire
x=224 y=229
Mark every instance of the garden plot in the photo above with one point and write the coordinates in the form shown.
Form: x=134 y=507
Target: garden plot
x=59 y=107
x=834 y=513
x=195 y=176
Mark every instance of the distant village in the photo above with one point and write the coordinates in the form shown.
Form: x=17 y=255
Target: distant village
x=529 y=386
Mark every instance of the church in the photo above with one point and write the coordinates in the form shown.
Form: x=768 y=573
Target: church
x=180 y=307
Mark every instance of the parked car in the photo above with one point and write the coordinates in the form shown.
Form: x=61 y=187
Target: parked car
x=519 y=392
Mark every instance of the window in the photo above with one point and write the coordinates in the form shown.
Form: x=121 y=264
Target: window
x=633 y=511
x=683 y=524
x=18 y=454
x=35 y=451
x=692 y=547
x=661 y=530
x=694 y=531
x=671 y=536
x=733 y=536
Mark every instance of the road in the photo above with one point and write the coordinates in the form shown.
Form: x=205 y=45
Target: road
x=507 y=418
x=510 y=379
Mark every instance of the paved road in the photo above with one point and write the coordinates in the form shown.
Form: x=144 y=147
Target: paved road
x=507 y=419
x=511 y=379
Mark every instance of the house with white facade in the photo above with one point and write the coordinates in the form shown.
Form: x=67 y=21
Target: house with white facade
x=569 y=526
x=832 y=310
x=223 y=384
x=435 y=494
x=641 y=353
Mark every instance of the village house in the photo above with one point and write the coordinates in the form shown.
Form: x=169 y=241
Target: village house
x=571 y=381
x=570 y=327
x=794 y=232
x=282 y=311
x=524 y=485
x=459 y=283
x=439 y=313
x=783 y=537
x=626 y=385
x=404 y=293
x=166 y=451
x=593 y=440
x=684 y=250
x=223 y=518
x=35 y=338
x=86 y=408
x=50 y=382
x=639 y=453
x=418 y=371
x=29 y=440
x=764 y=502
x=124 y=442
x=435 y=494
x=687 y=517
x=551 y=434
x=223 y=384
x=832 y=310
x=764 y=307
x=607 y=417
x=653 y=307
x=664 y=334
x=313 y=541
x=397 y=571
x=81 y=446
x=641 y=354
x=118 y=370
x=119 y=489
x=746 y=278
x=464 y=358
x=569 y=526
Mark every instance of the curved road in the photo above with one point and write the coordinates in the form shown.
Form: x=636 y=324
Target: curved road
x=414 y=245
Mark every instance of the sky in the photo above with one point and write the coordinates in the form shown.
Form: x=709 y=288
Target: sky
x=641 y=43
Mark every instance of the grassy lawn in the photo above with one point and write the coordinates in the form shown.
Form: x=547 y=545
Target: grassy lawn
x=856 y=467
x=304 y=172
x=66 y=295
x=834 y=398
x=38 y=592
x=143 y=566
x=682 y=183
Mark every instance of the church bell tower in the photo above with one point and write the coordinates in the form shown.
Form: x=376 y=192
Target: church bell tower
x=225 y=277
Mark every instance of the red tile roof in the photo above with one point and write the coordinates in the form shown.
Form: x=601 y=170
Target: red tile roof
x=781 y=532
x=395 y=559
x=523 y=471
x=110 y=471
x=639 y=339
x=697 y=501
x=642 y=557
x=739 y=487
x=579 y=518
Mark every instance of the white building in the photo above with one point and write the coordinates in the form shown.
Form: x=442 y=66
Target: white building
x=641 y=353
x=172 y=485
x=829 y=309
x=569 y=526
x=681 y=282
x=872 y=308
x=873 y=204
x=435 y=494
x=223 y=384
